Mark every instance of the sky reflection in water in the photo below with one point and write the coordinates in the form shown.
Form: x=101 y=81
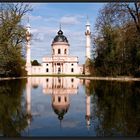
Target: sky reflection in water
x=68 y=106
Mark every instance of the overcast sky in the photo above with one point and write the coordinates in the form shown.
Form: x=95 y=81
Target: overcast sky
x=46 y=18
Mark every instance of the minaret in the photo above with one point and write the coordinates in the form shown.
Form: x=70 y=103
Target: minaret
x=88 y=116
x=88 y=34
x=28 y=47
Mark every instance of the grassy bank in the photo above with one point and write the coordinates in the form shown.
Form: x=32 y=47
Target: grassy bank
x=111 y=78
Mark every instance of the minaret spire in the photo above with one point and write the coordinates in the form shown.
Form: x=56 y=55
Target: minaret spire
x=60 y=26
x=88 y=23
x=88 y=41
x=28 y=46
x=88 y=34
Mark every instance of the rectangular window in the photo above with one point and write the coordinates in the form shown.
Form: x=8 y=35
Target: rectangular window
x=59 y=51
x=72 y=80
x=59 y=99
x=47 y=70
x=72 y=70
x=65 y=99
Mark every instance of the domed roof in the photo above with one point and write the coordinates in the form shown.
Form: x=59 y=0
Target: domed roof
x=60 y=110
x=60 y=37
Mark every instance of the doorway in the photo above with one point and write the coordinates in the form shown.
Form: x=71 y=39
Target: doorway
x=59 y=70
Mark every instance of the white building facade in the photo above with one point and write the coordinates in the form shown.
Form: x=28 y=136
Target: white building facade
x=60 y=62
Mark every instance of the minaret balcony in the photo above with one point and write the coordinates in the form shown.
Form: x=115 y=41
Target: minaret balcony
x=87 y=33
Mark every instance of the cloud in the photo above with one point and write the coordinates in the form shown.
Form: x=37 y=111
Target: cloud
x=71 y=20
x=31 y=17
x=34 y=30
x=70 y=123
x=35 y=6
x=43 y=32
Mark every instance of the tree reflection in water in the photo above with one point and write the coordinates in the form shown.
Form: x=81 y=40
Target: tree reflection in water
x=12 y=115
x=117 y=108
x=110 y=108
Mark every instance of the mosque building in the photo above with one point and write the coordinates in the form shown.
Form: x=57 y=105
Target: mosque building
x=60 y=61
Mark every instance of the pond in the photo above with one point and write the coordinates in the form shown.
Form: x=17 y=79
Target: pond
x=69 y=106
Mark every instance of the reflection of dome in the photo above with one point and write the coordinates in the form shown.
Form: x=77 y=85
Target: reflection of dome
x=60 y=110
x=60 y=37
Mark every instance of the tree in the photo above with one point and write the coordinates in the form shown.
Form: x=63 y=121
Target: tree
x=12 y=37
x=35 y=63
x=117 y=41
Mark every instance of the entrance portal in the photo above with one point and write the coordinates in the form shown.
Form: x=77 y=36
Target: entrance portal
x=59 y=70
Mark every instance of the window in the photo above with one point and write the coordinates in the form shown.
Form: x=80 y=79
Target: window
x=65 y=51
x=47 y=80
x=53 y=51
x=65 y=99
x=59 y=70
x=72 y=80
x=59 y=51
x=59 y=80
x=47 y=70
x=72 y=64
x=59 y=99
x=72 y=70
x=46 y=64
x=58 y=64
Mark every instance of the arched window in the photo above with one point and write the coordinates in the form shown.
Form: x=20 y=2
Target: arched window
x=65 y=51
x=59 y=70
x=59 y=80
x=72 y=70
x=72 y=80
x=47 y=70
x=59 y=99
x=59 y=51
x=65 y=99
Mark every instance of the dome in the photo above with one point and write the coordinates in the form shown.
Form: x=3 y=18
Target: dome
x=60 y=37
x=60 y=110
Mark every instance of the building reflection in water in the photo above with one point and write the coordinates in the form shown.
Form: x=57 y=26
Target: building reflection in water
x=60 y=89
x=28 y=100
x=88 y=113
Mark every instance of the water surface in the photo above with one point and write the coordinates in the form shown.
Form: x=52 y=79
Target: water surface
x=68 y=106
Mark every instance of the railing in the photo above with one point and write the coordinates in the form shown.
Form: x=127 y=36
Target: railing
x=60 y=59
